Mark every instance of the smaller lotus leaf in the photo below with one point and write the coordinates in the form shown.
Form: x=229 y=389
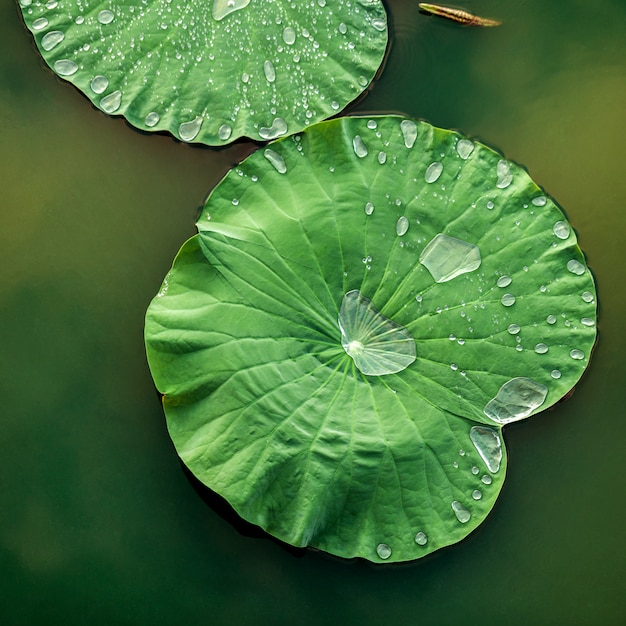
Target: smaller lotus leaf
x=212 y=72
x=365 y=306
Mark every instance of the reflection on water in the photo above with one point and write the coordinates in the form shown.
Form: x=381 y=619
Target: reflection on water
x=99 y=524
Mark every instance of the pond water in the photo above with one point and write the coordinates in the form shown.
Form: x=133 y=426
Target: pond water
x=100 y=524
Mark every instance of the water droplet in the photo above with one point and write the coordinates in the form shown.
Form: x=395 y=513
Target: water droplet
x=289 y=36
x=561 y=230
x=587 y=296
x=65 y=67
x=488 y=445
x=360 y=149
x=587 y=321
x=112 y=102
x=504 y=281
x=188 y=131
x=40 y=23
x=409 y=132
x=508 y=299
x=369 y=208
x=551 y=319
x=269 y=71
x=382 y=158
x=99 y=84
x=464 y=148
x=505 y=177
x=477 y=495
x=539 y=201
x=462 y=514
x=541 y=348
x=486 y=479
x=575 y=267
x=490 y=205
x=106 y=16
x=276 y=160
x=475 y=470
x=461 y=452
x=447 y=257
x=379 y=23
x=383 y=551
x=224 y=132
x=421 y=538
x=52 y=39
x=514 y=329
x=516 y=399
x=372 y=124
x=402 y=225
x=221 y=8
x=377 y=345
x=433 y=172
x=555 y=374
x=152 y=119
x=343 y=29
x=455 y=464
x=334 y=105
x=577 y=354
x=277 y=129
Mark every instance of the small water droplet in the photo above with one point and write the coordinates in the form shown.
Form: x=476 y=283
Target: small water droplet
x=464 y=148
x=112 y=102
x=360 y=149
x=486 y=479
x=555 y=374
x=516 y=399
x=490 y=205
x=421 y=538
x=539 y=201
x=276 y=160
x=289 y=36
x=462 y=514
x=488 y=445
x=402 y=226
x=477 y=495
x=575 y=267
x=447 y=257
x=99 y=84
x=383 y=551
x=65 y=67
x=277 y=129
x=508 y=299
x=269 y=71
x=343 y=29
x=561 y=230
x=504 y=281
x=409 y=132
x=188 y=131
x=475 y=470
x=152 y=119
x=577 y=354
x=551 y=319
x=587 y=321
x=372 y=124
x=379 y=23
x=433 y=172
x=514 y=329
x=587 y=296
x=52 y=39
x=334 y=105
x=224 y=132
x=382 y=158
x=106 y=16
x=541 y=348
x=455 y=464
x=369 y=208
x=40 y=23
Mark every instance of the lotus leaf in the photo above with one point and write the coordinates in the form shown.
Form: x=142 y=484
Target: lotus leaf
x=211 y=72
x=366 y=304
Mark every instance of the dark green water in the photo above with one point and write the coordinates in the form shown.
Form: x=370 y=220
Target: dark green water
x=98 y=522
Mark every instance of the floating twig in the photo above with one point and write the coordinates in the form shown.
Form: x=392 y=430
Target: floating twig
x=456 y=15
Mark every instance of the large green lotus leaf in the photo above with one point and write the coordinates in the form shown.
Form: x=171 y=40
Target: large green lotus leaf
x=212 y=71
x=365 y=306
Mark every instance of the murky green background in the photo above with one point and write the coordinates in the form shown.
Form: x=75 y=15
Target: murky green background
x=98 y=522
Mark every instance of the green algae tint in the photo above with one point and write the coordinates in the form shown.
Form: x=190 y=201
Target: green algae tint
x=341 y=344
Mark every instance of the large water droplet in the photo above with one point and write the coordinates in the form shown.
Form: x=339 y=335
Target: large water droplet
x=561 y=230
x=289 y=36
x=576 y=267
x=52 y=39
x=99 y=84
x=587 y=296
x=277 y=129
x=556 y=374
x=65 y=67
x=377 y=344
x=421 y=539
x=221 y=8
x=369 y=208
x=577 y=354
x=541 y=348
x=539 y=201
x=152 y=119
x=40 y=23
x=503 y=170
x=447 y=257
x=409 y=132
x=462 y=514
x=488 y=445
x=276 y=160
x=516 y=399
x=360 y=149
x=379 y=23
x=106 y=16
x=188 y=131
x=587 y=321
x=551 y=319
x=224 y=132
x=508 y=299
x=269 y=71
x=486 y=479
x=433 y=172
x=477 y=495
x=402 y=226
x=514 y=329
x=504 y=281
x=383 y=551
x=464 y=148
x=112 y=102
